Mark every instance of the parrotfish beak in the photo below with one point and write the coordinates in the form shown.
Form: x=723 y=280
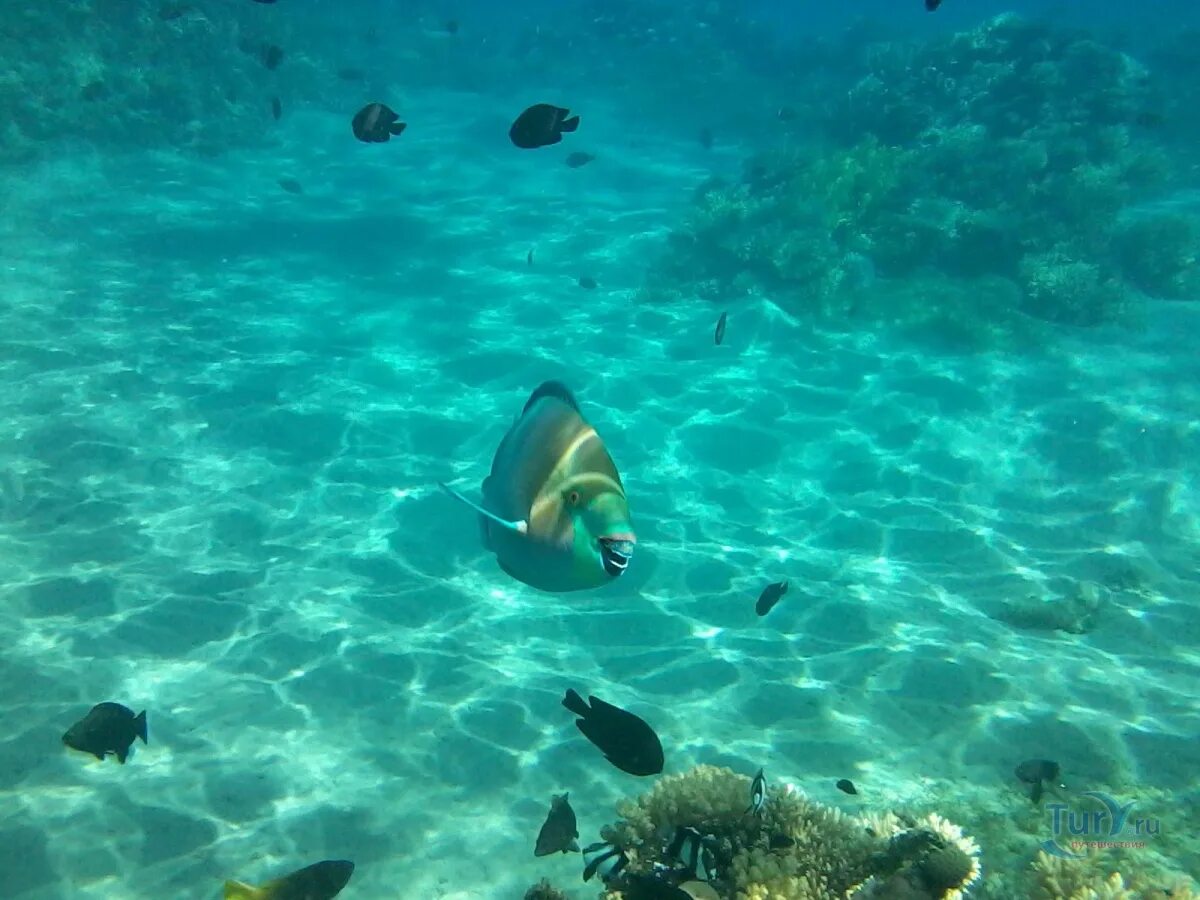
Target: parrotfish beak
x=615 y=552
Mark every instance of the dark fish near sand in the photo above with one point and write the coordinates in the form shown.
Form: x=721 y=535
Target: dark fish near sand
x=625 y=739
x=846 y=786
x=376 y=123
x=771 y=595
x=1039 y=774
x=587 y=282
x=758 y=794
x=578 y=158
x=272 y=56
x=603 y=859
x=451 y=26
x=529 y=258
x=706 y=138
x=931 y=5
x=264 y=1
x=276 y=108
x=554 y=510
x=320 y=881
x=541 y=125
x=107 y=728
x=786 y=114
x=291 y=185
x=351 y=74
x=559 y=831
x=719 y=334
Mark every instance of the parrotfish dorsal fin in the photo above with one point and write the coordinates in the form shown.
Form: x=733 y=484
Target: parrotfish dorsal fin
x=236 y=890
x=551 y=389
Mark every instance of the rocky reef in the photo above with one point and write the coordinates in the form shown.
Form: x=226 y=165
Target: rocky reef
x=991 y=172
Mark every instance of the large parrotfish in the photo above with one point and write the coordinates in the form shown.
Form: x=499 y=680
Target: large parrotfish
x=554 y=509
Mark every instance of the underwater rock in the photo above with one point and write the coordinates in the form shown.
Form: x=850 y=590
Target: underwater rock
x=1077 y=611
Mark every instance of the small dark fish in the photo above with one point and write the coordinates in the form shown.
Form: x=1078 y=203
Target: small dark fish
x=786 y=114
x=376 y=123
x=578 y=158
x=706 y=138
x=846 y=786
x=529 y=258
x=690 y=848
x=719 y=334
x=351 y=74
x=320 y=881
x=780 y=841
x=291 y=185
x=758 y=794
x=587 y=282
x=94 y=90
x=276 y=109
x=559 y=831
x=272 y=56
x=264 y=1
x=931 y=5
x=107 y=728
x=603 y=859
x=771 y=595
x=168 y=12
x=541 y=125
x=1150 y=119
x=625 y=739
x=1036 y=773
x=452 y=26
x=637 y=886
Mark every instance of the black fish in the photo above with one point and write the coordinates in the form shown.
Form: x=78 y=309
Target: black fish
x=320 y=881
x=771 y=595
x=719 y=334
x=272 y=56
x=785 y=114
x=758 y=794
x=169 y=12
x=578 y=158
x=780 y=841
x=603 y=859
x=291 y=185
x=846 y=786
x=541 y=125
x=276 y=108
x=529 y=258
x=351 y=74
x=264 y=1
x=648 y=887
x=625 y=740
x=376 y=123
x=931 y=5
x=452 y=26
x=93 y=90
x=690 y=848
x=107 y=728
x=559 y=831
x=1035 y=773
x=587 y=282
x=706 y=138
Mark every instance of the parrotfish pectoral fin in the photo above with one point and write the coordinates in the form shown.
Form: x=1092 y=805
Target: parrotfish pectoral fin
x=521 y=527
x=236 y=890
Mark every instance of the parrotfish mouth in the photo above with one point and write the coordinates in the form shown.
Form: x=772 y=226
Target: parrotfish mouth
x=615 y=553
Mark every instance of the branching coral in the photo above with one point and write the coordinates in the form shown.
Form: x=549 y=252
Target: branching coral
x=1092 y=878
x=795 y=850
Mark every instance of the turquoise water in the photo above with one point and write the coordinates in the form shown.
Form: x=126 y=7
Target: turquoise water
x=227 y=409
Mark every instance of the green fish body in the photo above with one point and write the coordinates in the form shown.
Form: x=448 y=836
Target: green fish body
x=554 y=510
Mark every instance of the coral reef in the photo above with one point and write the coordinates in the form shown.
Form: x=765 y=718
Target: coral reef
x=795 y=850
x=544 y=890
x=1009 y=152
x=1091 y=878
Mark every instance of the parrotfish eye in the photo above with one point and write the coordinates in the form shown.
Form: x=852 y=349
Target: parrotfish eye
x=573 y=498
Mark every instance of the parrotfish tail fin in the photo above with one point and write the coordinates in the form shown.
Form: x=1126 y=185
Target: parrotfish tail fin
x=573 y=846
x=575 y=704
x=553 y=388
x=122 y=755
x=520 y=526
x=139 y=723
x=397 y=127
x=570 y=124
x=235 y=890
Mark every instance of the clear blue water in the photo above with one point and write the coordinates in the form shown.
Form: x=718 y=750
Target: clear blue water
x=228 y=406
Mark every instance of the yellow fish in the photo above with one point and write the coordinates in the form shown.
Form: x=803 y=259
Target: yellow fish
x=554 y=509
x=320 y=881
